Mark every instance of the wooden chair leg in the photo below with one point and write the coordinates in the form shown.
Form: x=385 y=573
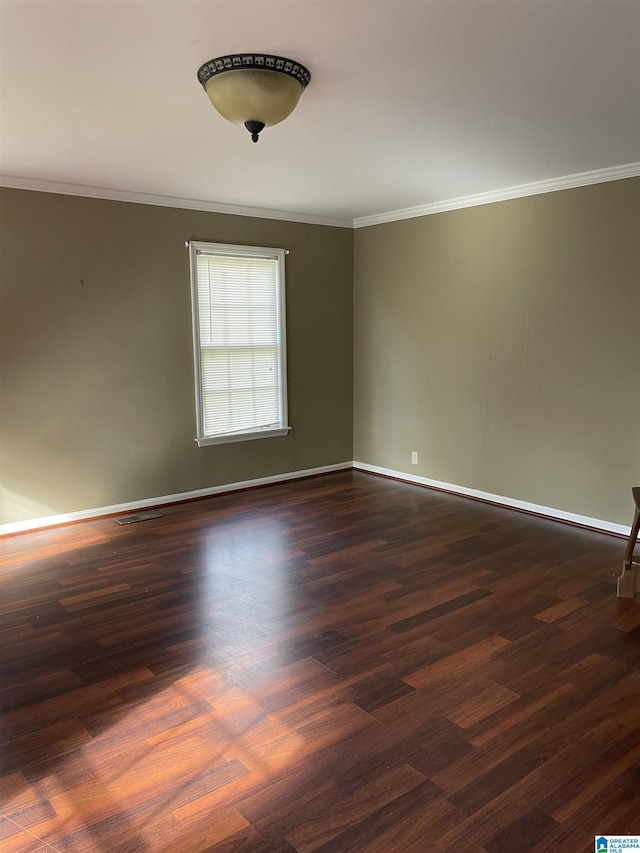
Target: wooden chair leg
x=628 y=580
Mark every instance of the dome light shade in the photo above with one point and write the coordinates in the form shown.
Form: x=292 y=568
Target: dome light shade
x=254 y=89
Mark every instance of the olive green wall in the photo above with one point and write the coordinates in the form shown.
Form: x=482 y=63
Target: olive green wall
x=96 y=381
x=502 y=343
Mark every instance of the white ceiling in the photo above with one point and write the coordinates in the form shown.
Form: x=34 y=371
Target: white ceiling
x=411 y=102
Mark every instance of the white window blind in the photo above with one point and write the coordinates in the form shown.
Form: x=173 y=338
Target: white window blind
x=239 y=348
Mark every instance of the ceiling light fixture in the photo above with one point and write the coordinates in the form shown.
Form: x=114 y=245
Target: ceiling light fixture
x=254 y=89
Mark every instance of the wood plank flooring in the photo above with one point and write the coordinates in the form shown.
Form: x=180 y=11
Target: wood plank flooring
x=344 y=664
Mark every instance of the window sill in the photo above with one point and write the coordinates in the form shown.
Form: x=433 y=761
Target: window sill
x=205 y=441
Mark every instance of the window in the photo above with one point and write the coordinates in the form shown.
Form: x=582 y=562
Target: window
x=237 y=297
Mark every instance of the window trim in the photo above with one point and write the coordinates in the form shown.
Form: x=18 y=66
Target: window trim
x=283 y=428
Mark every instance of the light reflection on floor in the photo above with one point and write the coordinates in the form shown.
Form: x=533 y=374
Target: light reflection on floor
x=246 y=588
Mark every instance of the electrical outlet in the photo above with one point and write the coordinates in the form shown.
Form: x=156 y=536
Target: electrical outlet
x=414 y=457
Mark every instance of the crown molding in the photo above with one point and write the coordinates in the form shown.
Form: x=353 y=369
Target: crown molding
x=581 y=179
x=18 y=183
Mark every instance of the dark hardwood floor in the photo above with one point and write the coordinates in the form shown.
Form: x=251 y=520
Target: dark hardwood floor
x=333 y=665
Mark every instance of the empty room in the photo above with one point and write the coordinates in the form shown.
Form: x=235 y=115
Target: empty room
x=319 y=407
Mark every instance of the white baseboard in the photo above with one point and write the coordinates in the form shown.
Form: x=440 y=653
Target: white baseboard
x=501 y=500
x=148 y=503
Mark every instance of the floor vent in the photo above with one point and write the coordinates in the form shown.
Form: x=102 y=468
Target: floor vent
x=140 y=516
